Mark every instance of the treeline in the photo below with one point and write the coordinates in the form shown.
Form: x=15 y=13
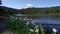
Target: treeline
x=41 y=10
x=7 y=10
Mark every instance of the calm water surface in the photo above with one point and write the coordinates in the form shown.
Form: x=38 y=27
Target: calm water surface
x=48 y=23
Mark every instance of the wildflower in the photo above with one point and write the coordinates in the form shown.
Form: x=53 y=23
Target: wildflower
x=31 y=30
x=27 y=22
x=36 y=30
x=54 y=30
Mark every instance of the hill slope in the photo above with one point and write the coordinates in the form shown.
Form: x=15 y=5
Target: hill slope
x=31 y=10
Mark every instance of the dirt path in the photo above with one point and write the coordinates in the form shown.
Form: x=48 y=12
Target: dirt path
x=2 y=25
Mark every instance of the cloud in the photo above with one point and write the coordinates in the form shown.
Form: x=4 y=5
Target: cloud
x=28 y=6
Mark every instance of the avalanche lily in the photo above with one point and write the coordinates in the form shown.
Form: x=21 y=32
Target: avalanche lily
x=54 y=30
x=31 y=30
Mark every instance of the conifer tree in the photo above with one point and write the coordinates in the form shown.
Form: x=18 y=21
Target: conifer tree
x=0 y=2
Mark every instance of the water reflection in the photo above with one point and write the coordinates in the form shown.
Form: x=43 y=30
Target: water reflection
x=48 y=23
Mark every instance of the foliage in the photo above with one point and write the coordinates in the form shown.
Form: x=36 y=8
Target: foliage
x=20 y=27
x=17 y=26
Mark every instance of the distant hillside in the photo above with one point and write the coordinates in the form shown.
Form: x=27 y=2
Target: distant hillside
x=7 y=10
x=30 y=10
x=41 y=10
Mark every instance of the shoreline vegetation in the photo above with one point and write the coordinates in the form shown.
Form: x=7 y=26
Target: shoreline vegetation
x=21 y=27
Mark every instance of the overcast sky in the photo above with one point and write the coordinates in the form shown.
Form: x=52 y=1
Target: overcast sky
x=30 y=3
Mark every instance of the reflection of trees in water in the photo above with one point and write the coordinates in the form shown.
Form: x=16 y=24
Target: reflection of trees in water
x=47 y=30
x=44 y=16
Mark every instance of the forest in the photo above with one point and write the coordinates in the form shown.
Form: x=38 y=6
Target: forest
x=32 y=10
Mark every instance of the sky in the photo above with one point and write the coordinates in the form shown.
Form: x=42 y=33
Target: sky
x=19 y=4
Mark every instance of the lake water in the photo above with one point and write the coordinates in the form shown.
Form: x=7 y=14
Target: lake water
x=48 y=23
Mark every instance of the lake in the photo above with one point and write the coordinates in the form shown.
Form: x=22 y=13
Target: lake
x=48 y=23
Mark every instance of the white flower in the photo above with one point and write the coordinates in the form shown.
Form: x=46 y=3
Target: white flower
x=54 y=30
x=29 y=19
x=27 y=22
x=36 y=27
x=31 y=30
x=36 y=30
x=11 y=17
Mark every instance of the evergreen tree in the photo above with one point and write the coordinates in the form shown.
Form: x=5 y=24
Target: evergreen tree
x=0 y=2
